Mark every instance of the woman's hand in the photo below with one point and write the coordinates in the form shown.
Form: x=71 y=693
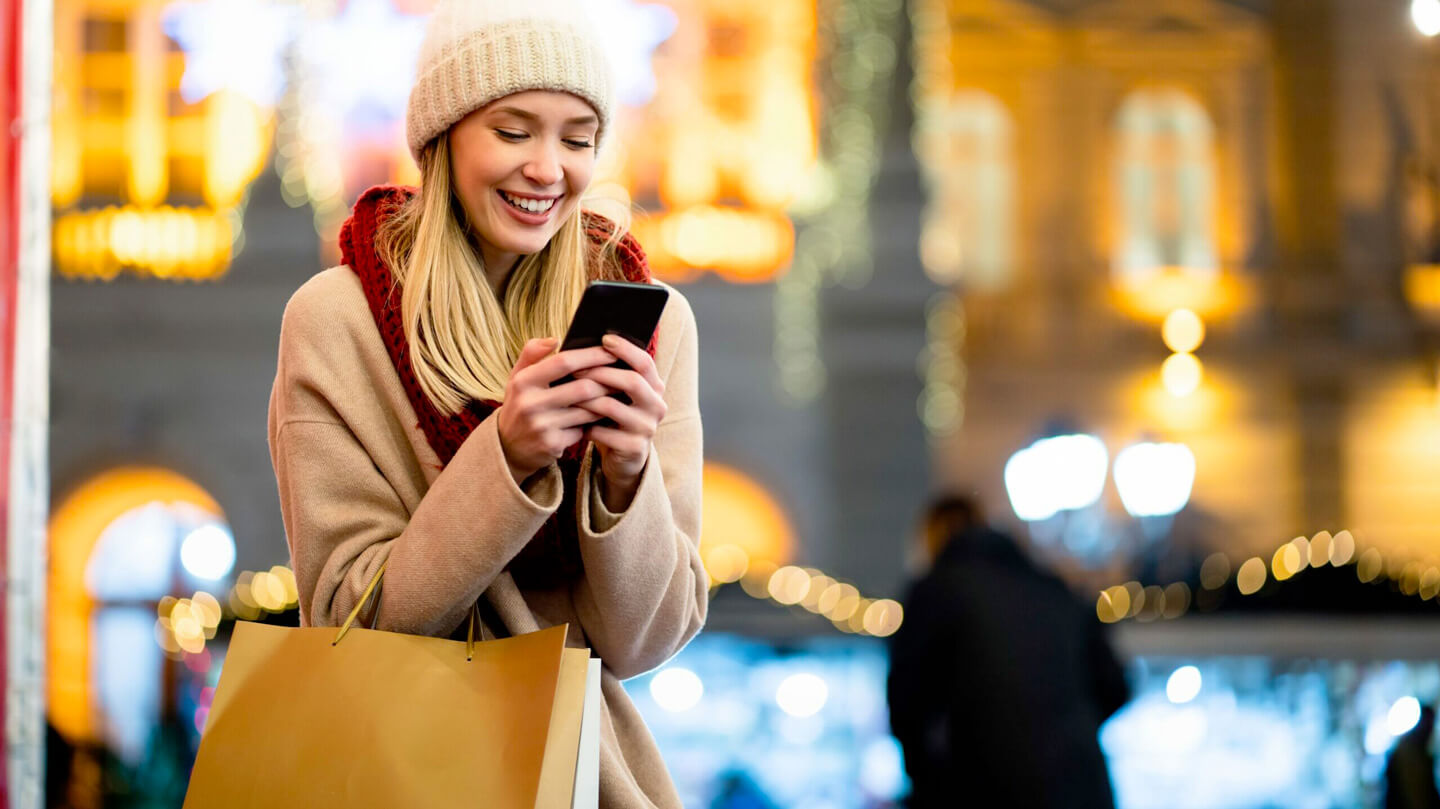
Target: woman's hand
x=625 y=447
x=537 y=422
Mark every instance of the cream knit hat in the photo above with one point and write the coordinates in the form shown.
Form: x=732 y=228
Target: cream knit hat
x=476 y=51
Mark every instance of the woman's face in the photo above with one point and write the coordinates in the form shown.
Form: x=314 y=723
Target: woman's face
x=519 y=165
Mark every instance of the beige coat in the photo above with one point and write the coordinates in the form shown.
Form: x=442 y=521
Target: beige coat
x=359 y=484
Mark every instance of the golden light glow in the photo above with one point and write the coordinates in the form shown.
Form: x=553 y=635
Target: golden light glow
x=732 y=124
x=883 y=618
x=789 y=585
x=1252 y=575
x=191 y=244
x=1177 y=600
x=1155 y=295
x=847 y=600
x=1153 y=604
x=74 y=528
x=1183 y=331
x=1430 y=583
x=122 y=130
x=726 y=563
x=1119 y=601
x=1136 y=591
x=738 y=245
x=1342 y=549
x=1181 y=374
x=756 y=581
x=1369 y=566
x=1286 y=562
x=818 y=586
x=1320 y=545
x=1410 y=579
x=1302 y=551
x=1422 y=288
x=1105 y=608
x=1215 y=571
x=741 y=514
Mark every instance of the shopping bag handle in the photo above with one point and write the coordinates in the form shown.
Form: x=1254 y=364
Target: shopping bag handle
x=365 y=597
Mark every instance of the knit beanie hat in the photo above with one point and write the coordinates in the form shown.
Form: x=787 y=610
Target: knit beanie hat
x=476 y=51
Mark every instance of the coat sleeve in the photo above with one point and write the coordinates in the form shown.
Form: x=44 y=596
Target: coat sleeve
x=346 y=475
x=644 y=593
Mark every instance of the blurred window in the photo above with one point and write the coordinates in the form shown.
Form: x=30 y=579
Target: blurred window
x=967 y=155
x=1164 y=186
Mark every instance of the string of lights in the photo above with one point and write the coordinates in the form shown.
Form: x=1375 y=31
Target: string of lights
x=1134 y=601
x=833 y=239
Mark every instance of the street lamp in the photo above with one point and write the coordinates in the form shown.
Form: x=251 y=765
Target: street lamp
x=1154 y=481
x=1064 y=473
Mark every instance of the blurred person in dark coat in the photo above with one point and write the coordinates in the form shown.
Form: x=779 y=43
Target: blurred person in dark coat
x=999 y=677
x=1410 y=769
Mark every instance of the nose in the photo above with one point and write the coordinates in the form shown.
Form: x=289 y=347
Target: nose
x=542 y=165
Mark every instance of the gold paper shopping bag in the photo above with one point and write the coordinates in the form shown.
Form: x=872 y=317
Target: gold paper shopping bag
x=380 y=719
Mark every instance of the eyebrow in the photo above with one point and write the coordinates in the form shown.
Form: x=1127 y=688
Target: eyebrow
x=530 y=116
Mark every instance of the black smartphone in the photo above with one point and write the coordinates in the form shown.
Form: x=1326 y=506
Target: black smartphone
x=616 y=307
x=629 y=310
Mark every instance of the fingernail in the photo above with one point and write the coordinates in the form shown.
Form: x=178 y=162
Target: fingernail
x=610 y=340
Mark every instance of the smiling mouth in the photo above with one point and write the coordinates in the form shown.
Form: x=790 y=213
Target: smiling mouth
x=531 y=206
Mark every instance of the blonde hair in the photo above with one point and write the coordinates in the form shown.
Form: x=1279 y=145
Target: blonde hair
x=464 y=339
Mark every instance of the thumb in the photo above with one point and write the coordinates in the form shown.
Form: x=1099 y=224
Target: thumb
x=534 y=351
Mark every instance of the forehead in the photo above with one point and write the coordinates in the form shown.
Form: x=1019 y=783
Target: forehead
x=550 y=106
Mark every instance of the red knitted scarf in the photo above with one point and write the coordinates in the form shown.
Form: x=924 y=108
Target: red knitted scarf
x=552 y=557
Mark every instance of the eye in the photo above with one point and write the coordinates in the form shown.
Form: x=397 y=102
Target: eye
x=578 y=143
x=510 y=134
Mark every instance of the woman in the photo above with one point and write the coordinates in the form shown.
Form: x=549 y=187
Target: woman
x=413 y=422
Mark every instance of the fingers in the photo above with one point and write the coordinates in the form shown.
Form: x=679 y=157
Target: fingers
x=566 y=363
x=637 y=358
x=532 y=352
x=642 y=394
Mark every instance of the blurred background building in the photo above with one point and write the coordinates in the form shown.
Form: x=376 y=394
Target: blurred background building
x=1157 y=280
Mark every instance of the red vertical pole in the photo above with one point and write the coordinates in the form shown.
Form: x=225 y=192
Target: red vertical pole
x=10 y=82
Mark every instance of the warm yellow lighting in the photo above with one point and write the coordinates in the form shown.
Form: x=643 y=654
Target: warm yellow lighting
x=789 y=585
x=1215 y=571
x=1342 y=549
x=883 y=617
x=740 y=513
x=74 y=528
x=1183 y=331
x=1105 y=608
x=1410 y=579
x=856 y=621
x=1181 y=374
x=1177 y=600
x=739 y=245
x=1119 y=601
x=817 y=588
x=1251 y=576
x=1153 y=603
x=1286 y=562
x=207 y=608
x=236 y=143
x=1302 y=551
x=756 y=581
x=1136 y=591
x=847 y=600
x=1369 y=566
x=1320 y=546
x=165 y=243
x=286 y=577
x=1155 y=295
x=726 y=563
x=1430 y=583
x=1422 y=288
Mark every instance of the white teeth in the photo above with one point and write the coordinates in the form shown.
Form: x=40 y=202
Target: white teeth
x=531 y=205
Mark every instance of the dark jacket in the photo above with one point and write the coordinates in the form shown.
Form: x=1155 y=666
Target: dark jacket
x=998 y=684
